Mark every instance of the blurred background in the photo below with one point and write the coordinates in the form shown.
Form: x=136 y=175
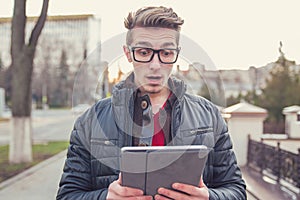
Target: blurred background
x=66 y=55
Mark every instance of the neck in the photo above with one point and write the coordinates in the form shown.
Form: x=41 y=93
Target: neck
x=158 y=99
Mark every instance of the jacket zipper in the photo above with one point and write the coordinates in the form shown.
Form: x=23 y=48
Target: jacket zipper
x=129 y=104
x=172 y=121
x=103 y=142
x=201 y=130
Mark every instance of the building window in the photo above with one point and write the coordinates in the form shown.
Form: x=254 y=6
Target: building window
x=298 y=117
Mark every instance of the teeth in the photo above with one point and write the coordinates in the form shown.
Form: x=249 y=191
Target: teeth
x=154 y=77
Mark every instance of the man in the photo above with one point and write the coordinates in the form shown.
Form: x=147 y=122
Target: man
x=92 y=166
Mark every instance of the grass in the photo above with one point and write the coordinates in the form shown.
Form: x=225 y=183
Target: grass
x=40 y=153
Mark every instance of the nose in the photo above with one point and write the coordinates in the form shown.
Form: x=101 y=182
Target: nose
x=155 y=63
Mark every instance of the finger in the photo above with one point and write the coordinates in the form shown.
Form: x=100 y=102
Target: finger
x=116 y=197
x=120 y=190
x=120 y=179
x=138 y=198
x=171 y=194
x=160 y=197
x=147 y=198
x=135 y=191
x=189 y=189
x=128 y=191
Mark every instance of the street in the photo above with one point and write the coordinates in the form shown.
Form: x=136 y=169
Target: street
x=48 y=125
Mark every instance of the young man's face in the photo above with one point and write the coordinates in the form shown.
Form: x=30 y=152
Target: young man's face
x=152 y=76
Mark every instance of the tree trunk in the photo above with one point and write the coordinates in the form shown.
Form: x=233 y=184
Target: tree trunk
x=21 y=83
x=22 y=67
x=21 y=140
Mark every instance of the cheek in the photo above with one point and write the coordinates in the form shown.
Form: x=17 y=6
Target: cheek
x=139 y=72
x=138 y=69
x=168 y=69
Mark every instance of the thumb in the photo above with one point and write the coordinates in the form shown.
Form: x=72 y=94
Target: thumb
x=120 y=178
x=201 y=183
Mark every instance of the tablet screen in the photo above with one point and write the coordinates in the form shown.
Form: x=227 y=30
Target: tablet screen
x=149 y=168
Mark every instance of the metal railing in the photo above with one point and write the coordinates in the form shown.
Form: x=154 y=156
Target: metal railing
x=278 y=164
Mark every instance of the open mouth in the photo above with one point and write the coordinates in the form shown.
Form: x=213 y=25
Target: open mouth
x=154 y=78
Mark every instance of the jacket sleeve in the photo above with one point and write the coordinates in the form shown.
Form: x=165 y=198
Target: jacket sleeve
x=227 y=182
x=76 y=181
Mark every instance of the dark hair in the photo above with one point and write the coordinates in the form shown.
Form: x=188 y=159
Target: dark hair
x=152 y=17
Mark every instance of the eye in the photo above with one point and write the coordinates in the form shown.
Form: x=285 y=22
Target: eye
x=167 y=53
x=143 y=51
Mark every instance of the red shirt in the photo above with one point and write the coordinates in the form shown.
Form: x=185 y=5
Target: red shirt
x=158 y=138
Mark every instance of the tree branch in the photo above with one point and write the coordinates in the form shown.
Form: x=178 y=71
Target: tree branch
x=39 y=25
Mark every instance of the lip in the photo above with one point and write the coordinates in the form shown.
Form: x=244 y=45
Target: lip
x=154 y=79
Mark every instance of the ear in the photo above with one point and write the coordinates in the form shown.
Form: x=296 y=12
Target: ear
x=127 y=53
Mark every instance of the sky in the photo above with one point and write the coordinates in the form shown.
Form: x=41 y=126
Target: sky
x=235 y=34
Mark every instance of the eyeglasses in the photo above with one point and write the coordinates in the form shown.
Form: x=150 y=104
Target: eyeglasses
x=145 y=55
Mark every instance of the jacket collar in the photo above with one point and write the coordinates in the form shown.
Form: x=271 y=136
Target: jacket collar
x=123 y=97
x=127 y=87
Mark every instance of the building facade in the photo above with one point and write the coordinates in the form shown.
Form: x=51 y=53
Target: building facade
x=69 y=37
x=78 y=32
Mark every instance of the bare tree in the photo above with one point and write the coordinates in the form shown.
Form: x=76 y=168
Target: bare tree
x=1 y=63
x=22 y=55
x=43 y=65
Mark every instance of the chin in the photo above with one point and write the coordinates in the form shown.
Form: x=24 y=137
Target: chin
x=153 y=90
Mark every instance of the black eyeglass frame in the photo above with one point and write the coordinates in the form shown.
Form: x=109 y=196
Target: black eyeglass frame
x=154 y=52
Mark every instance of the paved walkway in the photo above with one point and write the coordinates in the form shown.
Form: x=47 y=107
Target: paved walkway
x=37 y=183
x=41 y=182
x=264 y=188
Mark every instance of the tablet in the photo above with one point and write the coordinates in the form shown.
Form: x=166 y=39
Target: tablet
x=151 y=167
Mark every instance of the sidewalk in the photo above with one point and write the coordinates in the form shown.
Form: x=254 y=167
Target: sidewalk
x=264 y=188
x=41 y=182
x=37 y=183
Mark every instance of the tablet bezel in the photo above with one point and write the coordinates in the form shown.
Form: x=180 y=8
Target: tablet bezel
x=137 y=177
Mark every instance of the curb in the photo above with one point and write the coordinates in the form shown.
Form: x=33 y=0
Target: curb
x=32 y=170
x=249 y=190
x=253 y=195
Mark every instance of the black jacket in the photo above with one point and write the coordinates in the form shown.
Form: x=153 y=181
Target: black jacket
x=93 y=156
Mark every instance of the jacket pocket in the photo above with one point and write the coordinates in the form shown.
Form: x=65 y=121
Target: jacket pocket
x=103 y=148
x=199 y=136
x=105 y=155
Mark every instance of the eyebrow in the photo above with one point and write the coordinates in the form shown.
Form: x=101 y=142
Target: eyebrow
x=164 y=45
x=147 y=44
x=168 y=44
